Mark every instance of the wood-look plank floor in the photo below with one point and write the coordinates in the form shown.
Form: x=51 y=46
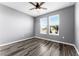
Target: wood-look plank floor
x=37 y=47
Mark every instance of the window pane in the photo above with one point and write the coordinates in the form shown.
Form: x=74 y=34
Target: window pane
x=54 y=25
x=43 y=25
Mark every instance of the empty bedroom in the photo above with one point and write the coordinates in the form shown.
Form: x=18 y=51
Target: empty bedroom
x=39 y=29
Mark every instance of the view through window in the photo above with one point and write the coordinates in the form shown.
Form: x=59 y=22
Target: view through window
x=43 y=25
x=54 y=25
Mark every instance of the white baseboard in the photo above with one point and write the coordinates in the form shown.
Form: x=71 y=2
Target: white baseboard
x=59 y=42
x=44 y=39
x=76 y=49
x=15 y=41
x=54 y=40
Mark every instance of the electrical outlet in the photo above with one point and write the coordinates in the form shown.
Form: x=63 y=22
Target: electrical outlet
x=63 y=37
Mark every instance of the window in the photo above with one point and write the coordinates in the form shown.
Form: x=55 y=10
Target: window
x=54 y=25
x=43 y=25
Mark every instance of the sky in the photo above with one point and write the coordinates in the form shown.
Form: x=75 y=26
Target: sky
x=43 y=22
x=54 y=20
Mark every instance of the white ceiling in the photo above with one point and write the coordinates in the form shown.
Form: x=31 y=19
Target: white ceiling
x=25 y=6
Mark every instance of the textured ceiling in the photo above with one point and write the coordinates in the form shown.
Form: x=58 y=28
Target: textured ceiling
x=25 y=6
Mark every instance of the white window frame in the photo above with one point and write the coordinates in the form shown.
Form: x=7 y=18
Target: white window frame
x=49 y=24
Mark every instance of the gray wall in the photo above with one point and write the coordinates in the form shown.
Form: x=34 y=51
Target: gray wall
x=14 y=25
x=66 y=25
x=77 y=25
